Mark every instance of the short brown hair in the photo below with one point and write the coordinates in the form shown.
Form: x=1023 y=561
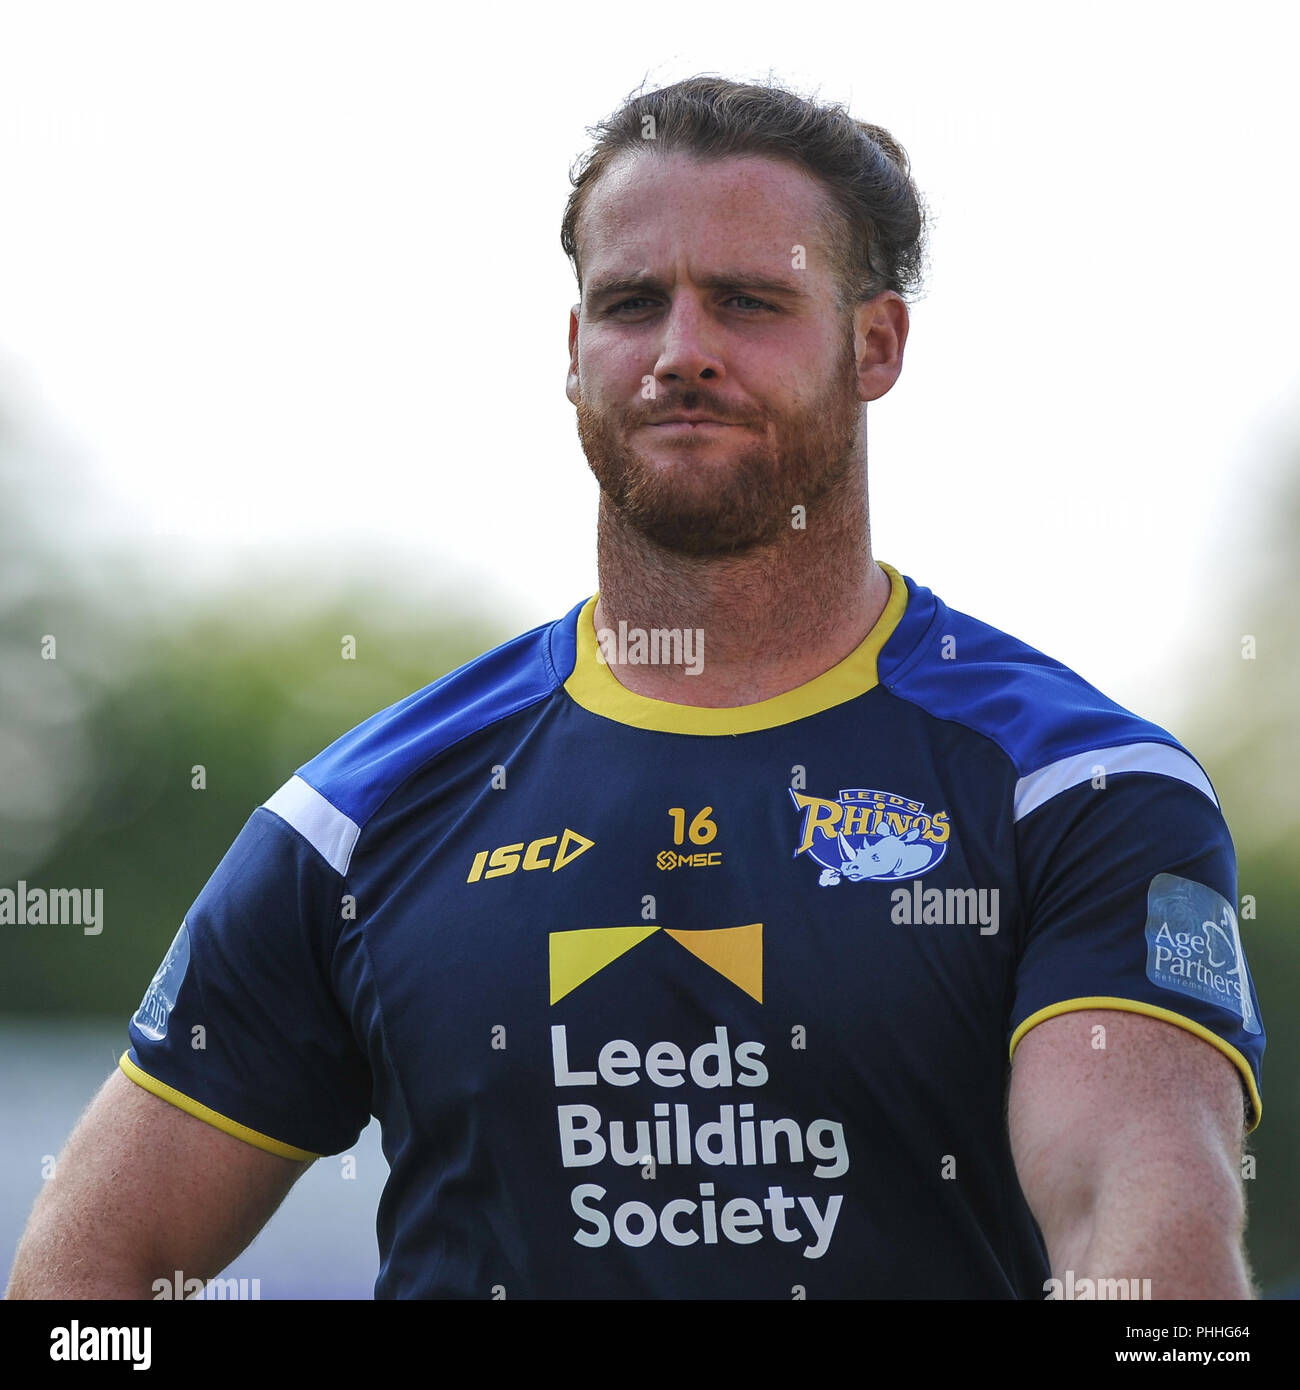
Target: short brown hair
x=877 y=242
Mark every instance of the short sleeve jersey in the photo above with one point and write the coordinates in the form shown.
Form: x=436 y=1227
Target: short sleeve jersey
x=663 y=1001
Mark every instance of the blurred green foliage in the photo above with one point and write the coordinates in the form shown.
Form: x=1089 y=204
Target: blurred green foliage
x=116 y=684
x=241 y=691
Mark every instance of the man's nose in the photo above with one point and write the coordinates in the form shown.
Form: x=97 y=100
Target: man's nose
x=690 y=346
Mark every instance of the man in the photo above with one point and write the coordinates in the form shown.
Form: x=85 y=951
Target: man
x=761 y=928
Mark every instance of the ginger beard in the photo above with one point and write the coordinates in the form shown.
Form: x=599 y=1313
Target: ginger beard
x=728 y=493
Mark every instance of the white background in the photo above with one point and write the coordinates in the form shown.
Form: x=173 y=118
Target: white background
x=286 y=280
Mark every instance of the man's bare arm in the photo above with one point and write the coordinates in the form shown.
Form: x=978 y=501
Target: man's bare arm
x=141 y=1190
x=1129 y=1155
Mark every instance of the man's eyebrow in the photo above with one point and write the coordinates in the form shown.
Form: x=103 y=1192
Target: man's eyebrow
x=719 y=280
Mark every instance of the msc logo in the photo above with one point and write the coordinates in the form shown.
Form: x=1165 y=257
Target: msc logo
x=505 y=858
x=672 y=859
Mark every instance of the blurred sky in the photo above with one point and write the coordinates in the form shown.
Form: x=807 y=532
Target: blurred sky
x=286 y=279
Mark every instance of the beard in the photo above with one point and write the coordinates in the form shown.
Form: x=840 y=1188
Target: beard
x=691 y=504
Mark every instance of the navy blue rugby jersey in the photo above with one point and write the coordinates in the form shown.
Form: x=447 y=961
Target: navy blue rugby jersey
x=660 y=1001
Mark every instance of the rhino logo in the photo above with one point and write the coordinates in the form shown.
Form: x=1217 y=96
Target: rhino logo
x=890 y=837
x=889 y=857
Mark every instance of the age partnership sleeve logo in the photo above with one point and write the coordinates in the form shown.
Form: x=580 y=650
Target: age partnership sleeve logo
x=1194 y=946
x=869 y=835
x=160 y=998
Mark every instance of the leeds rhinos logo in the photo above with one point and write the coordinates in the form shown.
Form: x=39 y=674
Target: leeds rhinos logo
x=870 y=835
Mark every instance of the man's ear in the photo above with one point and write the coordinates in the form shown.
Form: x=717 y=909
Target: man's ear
x=571 y=383
x=880 y=334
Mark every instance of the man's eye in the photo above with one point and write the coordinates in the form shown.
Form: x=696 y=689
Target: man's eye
x=641 y=299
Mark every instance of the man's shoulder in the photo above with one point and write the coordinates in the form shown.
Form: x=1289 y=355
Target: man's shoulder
x=1050 y=721
x=333 y=795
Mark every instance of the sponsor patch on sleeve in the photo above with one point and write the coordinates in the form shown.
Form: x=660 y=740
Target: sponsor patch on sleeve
x=1194 y=946
x=160 y=998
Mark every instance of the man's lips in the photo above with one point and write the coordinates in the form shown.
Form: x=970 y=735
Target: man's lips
x=685 y=425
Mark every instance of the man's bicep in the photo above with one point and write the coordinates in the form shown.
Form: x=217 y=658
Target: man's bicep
x=1106 y=1107
x=143 y=1189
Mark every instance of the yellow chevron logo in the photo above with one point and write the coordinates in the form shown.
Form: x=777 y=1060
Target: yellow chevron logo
x=734 y=952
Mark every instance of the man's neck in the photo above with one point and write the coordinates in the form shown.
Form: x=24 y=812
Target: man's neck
x=771 y=619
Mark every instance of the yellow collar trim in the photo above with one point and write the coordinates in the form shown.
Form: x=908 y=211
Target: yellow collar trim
x=595 y=687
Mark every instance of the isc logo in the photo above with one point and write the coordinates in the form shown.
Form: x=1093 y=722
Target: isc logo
x=505 y=858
